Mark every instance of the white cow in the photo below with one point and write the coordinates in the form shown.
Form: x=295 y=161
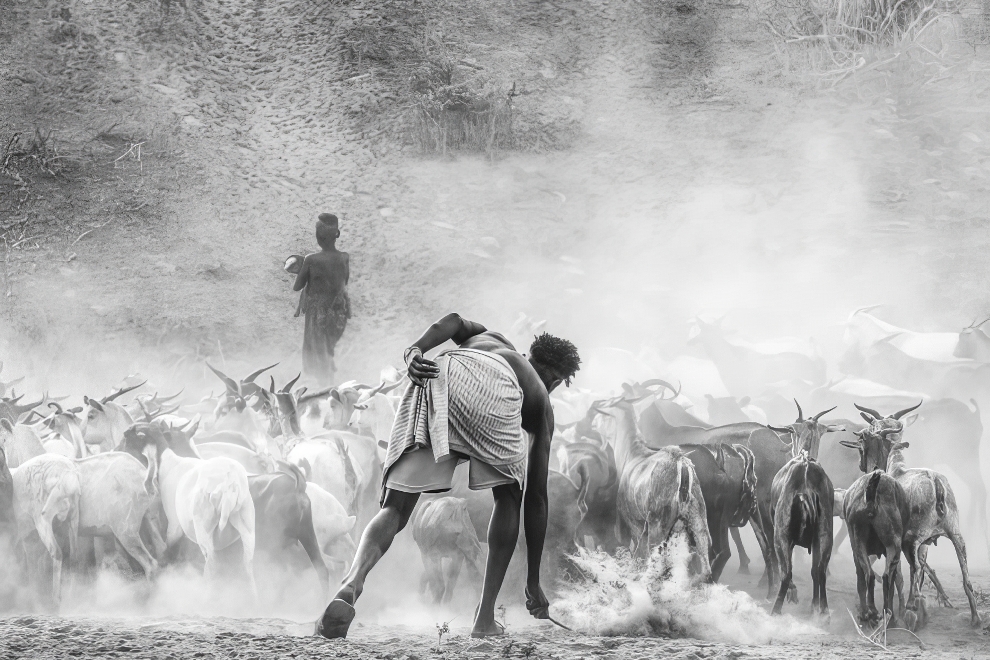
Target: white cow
x=46 y=489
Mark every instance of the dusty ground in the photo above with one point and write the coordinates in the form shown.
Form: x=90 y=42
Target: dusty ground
x=165 y=637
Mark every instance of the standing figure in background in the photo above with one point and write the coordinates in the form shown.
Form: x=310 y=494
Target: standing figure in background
x=324 y=276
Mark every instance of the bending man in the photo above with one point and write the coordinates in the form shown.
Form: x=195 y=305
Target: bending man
x=472 y=404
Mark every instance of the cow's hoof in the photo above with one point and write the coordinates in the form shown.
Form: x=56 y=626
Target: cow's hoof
x=870 y=619
x=743 y=569
x=336 y=619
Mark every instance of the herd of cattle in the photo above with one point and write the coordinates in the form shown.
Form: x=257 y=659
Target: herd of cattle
x=159 y=480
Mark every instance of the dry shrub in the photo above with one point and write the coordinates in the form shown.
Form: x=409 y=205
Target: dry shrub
x=38 y=152
x=843 y=36
x=459 y=115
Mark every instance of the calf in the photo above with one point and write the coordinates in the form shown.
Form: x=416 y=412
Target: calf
x=442 y=529
x=802 y=511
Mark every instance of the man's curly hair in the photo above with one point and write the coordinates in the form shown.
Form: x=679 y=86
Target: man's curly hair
x=557 y=354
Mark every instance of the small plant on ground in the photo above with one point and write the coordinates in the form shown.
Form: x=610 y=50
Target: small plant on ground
x=529 y=650
x=442 y=629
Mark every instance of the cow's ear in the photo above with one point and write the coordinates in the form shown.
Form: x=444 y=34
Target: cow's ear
x=96 y=405
x=6 y=424
x=849 y=443
x=910 y=419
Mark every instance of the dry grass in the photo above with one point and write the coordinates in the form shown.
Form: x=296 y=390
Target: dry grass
x=842 y=37
x=459 y=115
x=35 y=152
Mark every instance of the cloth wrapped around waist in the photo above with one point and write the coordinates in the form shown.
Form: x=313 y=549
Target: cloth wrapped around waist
x=473 y=408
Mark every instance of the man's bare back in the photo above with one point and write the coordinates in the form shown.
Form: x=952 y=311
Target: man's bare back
x=536 y=410
x=324 y=274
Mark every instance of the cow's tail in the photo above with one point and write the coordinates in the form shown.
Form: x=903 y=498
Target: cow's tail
x=224 y=497
x=295 y=472
x=685 y=480
x=149 y=475
x=939 y=497
x=803 y=519
x=871 y=492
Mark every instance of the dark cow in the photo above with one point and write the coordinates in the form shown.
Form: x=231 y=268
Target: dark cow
x=592 y=469
x=877 y=512
x=727 y=476
x=283 y=516
x=802 y=511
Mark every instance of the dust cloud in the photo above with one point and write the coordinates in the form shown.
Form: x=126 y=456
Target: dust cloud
x=621 y=596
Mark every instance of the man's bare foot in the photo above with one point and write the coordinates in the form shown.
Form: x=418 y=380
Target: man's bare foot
x=335 y=620
x=491 y=629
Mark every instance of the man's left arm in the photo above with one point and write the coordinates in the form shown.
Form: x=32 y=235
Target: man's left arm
x=535 y=513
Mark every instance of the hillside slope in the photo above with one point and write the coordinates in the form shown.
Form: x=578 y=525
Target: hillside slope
x=664 y=162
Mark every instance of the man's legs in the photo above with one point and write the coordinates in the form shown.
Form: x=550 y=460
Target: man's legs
x=375 y=541
x=502 y=533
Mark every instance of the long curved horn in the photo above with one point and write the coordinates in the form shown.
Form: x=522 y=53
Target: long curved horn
x=165 y=411
x=19 y=410
x=800 y=413
x=250 y=377
x=288 y=386
x=901 y=413
x=121 y=392
x=870 y=411
x=147 y=415
x=271 y=387
x=166 y=399
x=653 y=382
x=10 y=383
x=227 y=380
x=822 y=413
x=315 y=395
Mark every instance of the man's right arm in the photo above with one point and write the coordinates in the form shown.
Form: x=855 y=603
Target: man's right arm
x=302 y=279
x=451 y=327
